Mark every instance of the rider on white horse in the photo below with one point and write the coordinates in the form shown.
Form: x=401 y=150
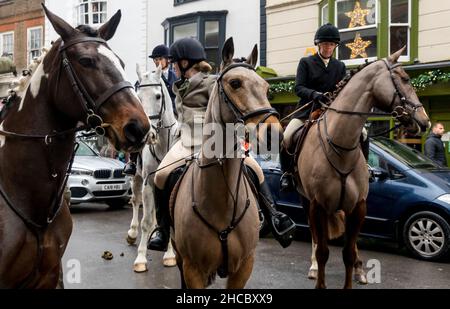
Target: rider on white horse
x=193 y=91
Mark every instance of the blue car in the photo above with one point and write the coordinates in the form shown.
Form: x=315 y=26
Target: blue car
x=409 y=199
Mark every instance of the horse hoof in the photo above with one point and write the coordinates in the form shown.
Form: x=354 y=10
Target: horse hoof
x=140 y=268
x=171 y=262
x=361 y=279
x=131 y=241
x=312 y=275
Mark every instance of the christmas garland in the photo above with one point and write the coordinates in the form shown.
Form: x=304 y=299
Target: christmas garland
x=281 y=87
x=429 y=78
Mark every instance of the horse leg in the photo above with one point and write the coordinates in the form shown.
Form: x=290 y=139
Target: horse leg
x=60 y=285
x=312 y=274
x=193 y=277
x=147 y=225
x=319 y=228
x=169 y=257
x=180 y=266
x=350 y=253
x=136 y=201
x=239 y=279
x=360 y=274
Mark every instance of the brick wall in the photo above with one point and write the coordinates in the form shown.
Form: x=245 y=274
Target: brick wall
x=19 y=16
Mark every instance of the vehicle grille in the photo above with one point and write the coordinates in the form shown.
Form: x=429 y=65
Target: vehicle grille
x=78 y=192
x=102 y=174
x=119 y=174
x=109 y=193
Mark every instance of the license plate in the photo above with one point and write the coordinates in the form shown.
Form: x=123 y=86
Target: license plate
x=112 y=187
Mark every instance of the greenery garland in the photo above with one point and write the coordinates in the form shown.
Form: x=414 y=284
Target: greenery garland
x=420 y=83
x=429 y=78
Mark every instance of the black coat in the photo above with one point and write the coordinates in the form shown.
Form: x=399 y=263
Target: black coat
x=434 y=149
x=312 y=75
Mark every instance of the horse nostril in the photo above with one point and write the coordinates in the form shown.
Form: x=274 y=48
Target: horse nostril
x=134 y=133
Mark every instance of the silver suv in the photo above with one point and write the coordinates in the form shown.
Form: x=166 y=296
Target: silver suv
x=97 y=179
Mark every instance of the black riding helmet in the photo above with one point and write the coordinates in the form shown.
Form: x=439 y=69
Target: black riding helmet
x=188 y=49
x=160 y=51
x=327 y=33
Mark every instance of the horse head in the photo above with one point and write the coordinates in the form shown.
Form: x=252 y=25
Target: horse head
x=394 y=93
x=245 y=95
x=90 y=84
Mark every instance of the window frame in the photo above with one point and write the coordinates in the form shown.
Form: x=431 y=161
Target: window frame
x=90 y=13
x=29 y=50
x=200 y=18
x=2 y=35
x=409 y=25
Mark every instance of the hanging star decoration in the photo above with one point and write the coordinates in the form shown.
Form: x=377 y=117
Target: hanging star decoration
x=358 y=16
x=358 y=47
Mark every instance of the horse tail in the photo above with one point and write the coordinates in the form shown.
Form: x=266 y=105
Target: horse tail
x=336 y=225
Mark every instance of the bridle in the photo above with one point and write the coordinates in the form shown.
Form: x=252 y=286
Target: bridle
x=89 y=105
x=93 y=121
x=240 y=116
x=158 y=119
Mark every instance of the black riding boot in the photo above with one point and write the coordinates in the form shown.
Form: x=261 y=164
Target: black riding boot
x=282 y=227
x=130 y=168
x=287 y=166
x=162 y=231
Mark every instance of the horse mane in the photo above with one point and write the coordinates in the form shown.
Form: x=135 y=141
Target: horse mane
x=344 y=82
x=21 y=84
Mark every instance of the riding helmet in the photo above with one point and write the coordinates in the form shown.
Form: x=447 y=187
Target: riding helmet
x=327 y=33
x=160 y=51
x=187 y=49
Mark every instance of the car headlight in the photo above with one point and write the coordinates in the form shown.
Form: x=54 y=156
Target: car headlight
x=81 y=172
x=444 y=198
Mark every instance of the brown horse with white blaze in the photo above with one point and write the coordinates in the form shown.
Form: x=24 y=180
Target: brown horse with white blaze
x=79 y=84
x=331 y=155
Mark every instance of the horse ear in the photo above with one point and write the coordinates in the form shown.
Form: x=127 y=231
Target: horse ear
x=253 y=58
x=394 y=57
x=108 y=30
x=139 y=72
x=228 y=52
x=61 y=27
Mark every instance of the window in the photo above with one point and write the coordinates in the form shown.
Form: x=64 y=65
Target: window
x=178 y=2
x=399 y=27
x=357 y=22
x=34 y=43
x=324 y=15
x=207 y=27
x=7 y=45
x=92 y=12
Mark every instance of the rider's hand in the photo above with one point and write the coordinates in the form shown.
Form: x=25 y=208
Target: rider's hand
x=320 y=97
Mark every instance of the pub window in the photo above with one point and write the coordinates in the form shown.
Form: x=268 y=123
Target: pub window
x=400 y=27
x=91 y=12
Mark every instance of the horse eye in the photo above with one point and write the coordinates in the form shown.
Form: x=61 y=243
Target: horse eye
x=87 y=62
x=235 y=84
x=158 y=97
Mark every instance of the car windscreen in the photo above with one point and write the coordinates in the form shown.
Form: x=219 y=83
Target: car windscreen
x=85 y=151
x=405 y=154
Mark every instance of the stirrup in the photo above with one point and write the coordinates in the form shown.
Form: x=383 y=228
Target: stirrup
x=286 y=235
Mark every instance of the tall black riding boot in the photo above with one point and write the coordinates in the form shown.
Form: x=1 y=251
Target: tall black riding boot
x=283 y=228
x=162 y=231
x=130 y=168
x=287 y=166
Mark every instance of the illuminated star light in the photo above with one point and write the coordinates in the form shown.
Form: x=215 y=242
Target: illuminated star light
x=358 y=16
x=358 y=47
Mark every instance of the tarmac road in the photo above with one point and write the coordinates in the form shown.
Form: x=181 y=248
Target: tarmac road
x=97 y=229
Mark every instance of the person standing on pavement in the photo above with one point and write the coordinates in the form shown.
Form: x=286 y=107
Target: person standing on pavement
x=434 y=147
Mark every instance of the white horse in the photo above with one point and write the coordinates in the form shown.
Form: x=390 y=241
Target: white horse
x=157 y=105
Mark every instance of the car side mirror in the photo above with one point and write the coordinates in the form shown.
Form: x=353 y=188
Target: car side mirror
x=378 y=174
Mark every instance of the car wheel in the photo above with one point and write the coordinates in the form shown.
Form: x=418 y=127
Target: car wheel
x=427 y=236
x=117 y=204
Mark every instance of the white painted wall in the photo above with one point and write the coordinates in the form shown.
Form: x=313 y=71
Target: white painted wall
x=243 y=20
x=130 y=40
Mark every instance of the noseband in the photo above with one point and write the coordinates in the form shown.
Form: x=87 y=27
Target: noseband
x=89 y=105
x=240 y=116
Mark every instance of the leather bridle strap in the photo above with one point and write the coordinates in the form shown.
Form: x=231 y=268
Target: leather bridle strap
x=110 y=92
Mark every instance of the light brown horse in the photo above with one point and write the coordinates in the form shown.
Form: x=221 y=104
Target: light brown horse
x=332 y=170
x=216 y=221
x=79 y=81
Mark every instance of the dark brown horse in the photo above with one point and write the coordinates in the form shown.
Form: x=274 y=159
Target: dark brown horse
x=216 y=216
x=80 y=81
x=332 y=169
